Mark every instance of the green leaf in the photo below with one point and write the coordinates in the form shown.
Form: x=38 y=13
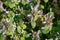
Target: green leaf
x=11 y=23
x=8 y=33
x=7 y=3
x=25 y=34
x=45 y=1
x=19 y=30
x=0 y=10
x=42 y=6
x=10 y=28
x=33 y=24
x=22 y=38
x=1 y=36
x=51 y=13
x=16 y=1
x=11 y=5
x=24 y=26
x=3 y=19
x=58 y=22
x=45 y=30
x=11 y=20
x=35 y=17
x=10 y=14
x=50 y=39
x=50 y=27
x=24 y=2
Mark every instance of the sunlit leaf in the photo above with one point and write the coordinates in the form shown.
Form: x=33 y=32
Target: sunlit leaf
x=11 y=5
x=24 y=26
x=45 y=1
x=51 y=14
x=50 y=39
x=24 y=2
x=16 y=1
x=33 y=24
x=42 y=6
x=50 y=27
x=19 y=30
x=22 y=38
x=25 y=34
x=45 y=30
x=8 y=33
x=3 y=19
x=35 y=17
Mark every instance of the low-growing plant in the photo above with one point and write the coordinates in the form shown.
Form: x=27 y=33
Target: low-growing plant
x=28 y=20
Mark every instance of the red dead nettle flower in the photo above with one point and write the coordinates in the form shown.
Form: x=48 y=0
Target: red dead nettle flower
x=29 y=1
x=7 y=22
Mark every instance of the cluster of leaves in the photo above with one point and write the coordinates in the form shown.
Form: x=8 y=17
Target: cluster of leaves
x=28 y=20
